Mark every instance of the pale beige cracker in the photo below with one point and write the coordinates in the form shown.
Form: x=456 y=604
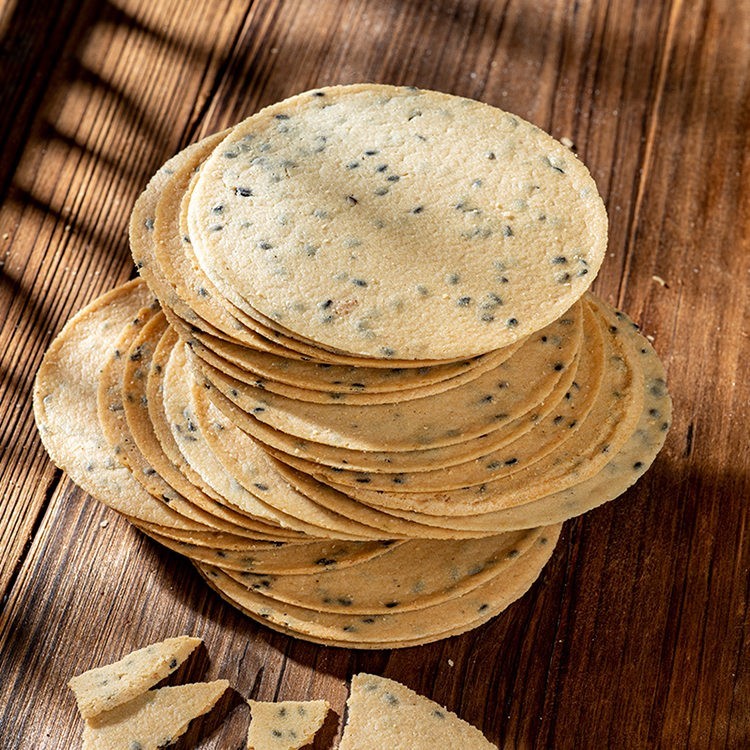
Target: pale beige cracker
x=130 y=347
x=382 y=713
x=621 y=472
x=384 y=631
x=103 y=688
x=153 y=719
x=492 y=400
x=191 y=441
x=608 y=426
x=66 y=412
x=135 y=406
x=544 y=437
x=378 y=220
x=412 y=575
x=288 y=559
x=286 y=725
x=245 y=460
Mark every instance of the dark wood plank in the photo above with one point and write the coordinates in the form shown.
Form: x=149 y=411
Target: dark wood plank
x=636 y=634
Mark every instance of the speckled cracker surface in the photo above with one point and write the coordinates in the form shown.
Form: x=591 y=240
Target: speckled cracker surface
x=385 y=714
x=103 y=688
x=65 y=406
x=286 y=725
x=380 y=220
x=153 y=719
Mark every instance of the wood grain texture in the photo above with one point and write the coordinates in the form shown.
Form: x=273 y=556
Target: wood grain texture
x=636 y=635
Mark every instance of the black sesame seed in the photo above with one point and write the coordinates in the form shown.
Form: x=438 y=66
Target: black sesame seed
x=391 y=605
x=381 y=167
x=484 y=608
x=512 y=322
x=559 y=418
x=259 y=409
x=363 y=480
x=318 y=93
x=638 y=464
x=381 y=191
x=491 y=155
x=243 y=192
x=507 y=231
x=559 y=259
x=282 y=117
x=351 y=200
x=264 y=245
x=463 y=301
x=149 y=224
x=417 y=209
x=359 y=282
x=217 y=209
x=260 y=486
x=371 y=152
x=393 y=178
x=511 y=461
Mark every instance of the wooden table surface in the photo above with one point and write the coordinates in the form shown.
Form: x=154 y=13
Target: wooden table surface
x=636 y=634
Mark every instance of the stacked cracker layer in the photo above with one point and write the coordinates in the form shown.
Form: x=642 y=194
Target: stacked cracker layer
x=361 y=383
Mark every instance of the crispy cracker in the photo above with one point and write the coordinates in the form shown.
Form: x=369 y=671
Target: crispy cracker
x=383 y=713
x=153 y=719
x=286 y=725
x=103 y=688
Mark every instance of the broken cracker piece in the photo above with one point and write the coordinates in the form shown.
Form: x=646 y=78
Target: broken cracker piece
x=286 y=725
x=384 y=713
x=104 y=688
x=153 y=719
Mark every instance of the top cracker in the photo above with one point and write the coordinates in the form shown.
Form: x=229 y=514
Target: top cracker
x=394 y=222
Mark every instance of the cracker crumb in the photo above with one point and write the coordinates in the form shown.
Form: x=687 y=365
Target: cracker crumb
x=567 y=142
x=68 y=227
x=451 y=662
x=660 y=280
x=650 y=337
x=104 y=524
x=5 y=235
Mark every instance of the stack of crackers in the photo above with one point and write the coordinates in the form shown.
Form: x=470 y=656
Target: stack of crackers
x=361 y=381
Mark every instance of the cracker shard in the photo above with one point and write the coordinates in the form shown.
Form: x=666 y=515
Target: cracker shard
x=287 y=725
x=384 y=713
x=105 y=688
x=153 y=719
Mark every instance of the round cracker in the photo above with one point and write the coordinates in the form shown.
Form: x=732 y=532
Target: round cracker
x=456 y=216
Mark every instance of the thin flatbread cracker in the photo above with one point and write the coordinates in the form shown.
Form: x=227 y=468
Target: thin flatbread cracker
x=385 y=714
x=286 y=725
x=153 y=719
x=103 y=688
